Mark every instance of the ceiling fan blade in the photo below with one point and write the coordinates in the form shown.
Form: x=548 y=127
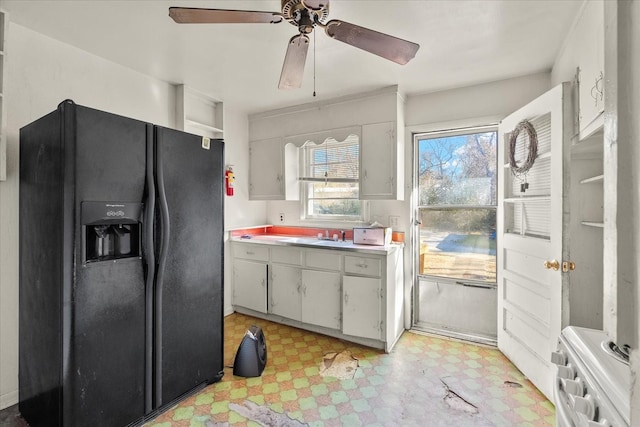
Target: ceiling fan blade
x=293 y=67
x=389 y=47
x=193 y=15
x=315 y=4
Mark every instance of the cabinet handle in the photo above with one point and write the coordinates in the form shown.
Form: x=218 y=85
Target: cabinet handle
x=304 y=290
x=346 y=298
x=552 y=265
x=361 y=265
x=250 y=253
x=262 y=283
x=365 y=174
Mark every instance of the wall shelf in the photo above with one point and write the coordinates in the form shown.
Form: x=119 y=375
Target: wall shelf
x=198 y=113
x=202 y=126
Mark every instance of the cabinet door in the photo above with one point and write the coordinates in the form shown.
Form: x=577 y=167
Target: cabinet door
x=266 y=170
x=378 y=159
x=320 y=299
x=285 y=291
x=591 y=64
x=362 y=298
x=250 y=285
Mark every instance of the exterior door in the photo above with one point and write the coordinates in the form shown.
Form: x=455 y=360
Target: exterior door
x=532 y=294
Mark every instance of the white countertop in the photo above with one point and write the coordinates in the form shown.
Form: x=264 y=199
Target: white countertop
x=314 y=242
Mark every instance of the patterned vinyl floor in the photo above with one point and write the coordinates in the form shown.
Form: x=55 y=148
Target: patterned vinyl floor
x=424 y=381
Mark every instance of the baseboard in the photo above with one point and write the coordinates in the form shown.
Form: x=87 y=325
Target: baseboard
x=8 y=399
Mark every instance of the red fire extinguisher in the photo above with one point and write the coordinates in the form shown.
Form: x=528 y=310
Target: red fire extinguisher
x=228 y=180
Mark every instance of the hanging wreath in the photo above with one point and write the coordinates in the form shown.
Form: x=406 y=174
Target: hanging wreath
x=532 y=152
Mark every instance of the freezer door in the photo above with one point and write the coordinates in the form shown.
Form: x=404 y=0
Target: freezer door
x=189 y=282
x=105 y=308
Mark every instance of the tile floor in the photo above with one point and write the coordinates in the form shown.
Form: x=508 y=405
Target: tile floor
x=424 y=381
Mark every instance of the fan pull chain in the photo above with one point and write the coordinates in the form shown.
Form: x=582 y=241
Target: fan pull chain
x=314 y=63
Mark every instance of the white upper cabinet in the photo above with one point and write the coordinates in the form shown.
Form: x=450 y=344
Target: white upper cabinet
x=265 y=170
x=378 y=114
x=379 y=168
x=591 y=69
x=273 y=170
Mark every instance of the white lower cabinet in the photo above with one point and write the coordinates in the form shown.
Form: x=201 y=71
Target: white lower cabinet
x=361 y=307
x=250 y=284
x=320 y=300
x=285 y=291
x=346 y=294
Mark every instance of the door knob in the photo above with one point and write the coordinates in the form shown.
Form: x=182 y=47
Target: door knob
x=568 y=266
x=555 y=265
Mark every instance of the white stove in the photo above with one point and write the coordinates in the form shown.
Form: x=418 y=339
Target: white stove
x=593 y=382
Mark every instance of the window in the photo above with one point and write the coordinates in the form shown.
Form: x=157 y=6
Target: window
x=456 y=176
x=331 y=179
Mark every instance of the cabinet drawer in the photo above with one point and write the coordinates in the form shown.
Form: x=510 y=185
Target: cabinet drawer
x=362 y=265
x=254 y=252
x=325 y=260
x=291 y=256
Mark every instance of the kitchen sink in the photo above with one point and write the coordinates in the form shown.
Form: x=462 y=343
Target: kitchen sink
x=315 y=241
x=332 y=243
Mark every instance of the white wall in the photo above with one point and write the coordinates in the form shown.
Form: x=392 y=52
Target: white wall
x=238 y=210
x=42 y=72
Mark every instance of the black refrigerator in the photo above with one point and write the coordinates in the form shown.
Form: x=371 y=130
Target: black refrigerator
x=121 y=267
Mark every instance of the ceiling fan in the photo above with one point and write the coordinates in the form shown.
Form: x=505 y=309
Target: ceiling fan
x=306 y=15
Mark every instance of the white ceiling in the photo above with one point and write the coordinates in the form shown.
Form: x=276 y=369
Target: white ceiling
x=462 y=43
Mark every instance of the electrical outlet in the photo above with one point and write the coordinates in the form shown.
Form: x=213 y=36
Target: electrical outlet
x=393 y=221
x=282 y=217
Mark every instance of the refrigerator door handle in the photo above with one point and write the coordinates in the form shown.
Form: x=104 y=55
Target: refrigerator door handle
x=150 y=261
x=162 y=261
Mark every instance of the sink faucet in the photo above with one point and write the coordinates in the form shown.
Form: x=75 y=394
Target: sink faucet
x=326 y=234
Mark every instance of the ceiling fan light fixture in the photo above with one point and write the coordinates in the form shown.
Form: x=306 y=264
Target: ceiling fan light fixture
x=305 y=15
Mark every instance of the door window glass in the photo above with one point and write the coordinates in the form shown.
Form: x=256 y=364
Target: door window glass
x=457 y=195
